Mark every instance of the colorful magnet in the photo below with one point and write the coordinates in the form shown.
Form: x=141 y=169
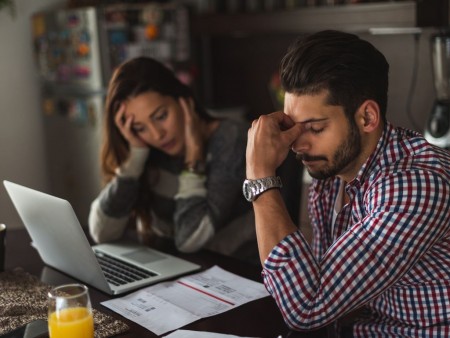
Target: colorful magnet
x=48 y=106
x=83 y=49
x=151 y=32
x=39 y=27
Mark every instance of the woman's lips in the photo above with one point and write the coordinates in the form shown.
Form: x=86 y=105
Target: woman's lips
x=168 y=145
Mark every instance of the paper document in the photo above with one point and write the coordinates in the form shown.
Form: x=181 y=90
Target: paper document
x=199 y=334
x=170 y=305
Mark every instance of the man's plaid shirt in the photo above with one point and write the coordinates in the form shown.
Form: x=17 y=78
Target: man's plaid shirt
x=389 y=249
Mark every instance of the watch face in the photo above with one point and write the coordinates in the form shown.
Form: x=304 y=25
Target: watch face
x=247 y=191
x=198 y=167
x=253 y=188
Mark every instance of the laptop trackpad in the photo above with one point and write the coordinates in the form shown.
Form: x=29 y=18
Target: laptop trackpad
x=143 y=256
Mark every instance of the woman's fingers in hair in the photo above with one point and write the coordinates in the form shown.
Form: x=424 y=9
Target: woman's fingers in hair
x=119 y=118
x=192 y=104
x=123 y=123
x=184 y=106
x=188 y=107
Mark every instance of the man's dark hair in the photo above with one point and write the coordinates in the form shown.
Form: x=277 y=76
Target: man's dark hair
x=351 y=69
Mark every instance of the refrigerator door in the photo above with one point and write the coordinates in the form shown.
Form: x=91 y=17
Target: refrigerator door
x=76 y=51
x=67 y=50
x=67 y=54
x=161 y=31
x=73 y=142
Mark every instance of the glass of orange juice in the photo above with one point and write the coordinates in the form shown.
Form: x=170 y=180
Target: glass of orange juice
x=70 y=312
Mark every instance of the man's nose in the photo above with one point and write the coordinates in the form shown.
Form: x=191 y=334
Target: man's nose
x=301 y=144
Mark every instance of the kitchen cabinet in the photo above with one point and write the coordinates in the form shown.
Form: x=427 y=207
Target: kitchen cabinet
x=353 y=18
x=238 y=53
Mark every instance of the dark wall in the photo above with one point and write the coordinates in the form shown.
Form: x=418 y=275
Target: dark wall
x=242 y=67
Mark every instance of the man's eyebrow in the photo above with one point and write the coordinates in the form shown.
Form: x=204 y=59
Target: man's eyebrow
x=312 y=120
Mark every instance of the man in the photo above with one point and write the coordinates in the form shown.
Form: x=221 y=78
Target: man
x=379 y=203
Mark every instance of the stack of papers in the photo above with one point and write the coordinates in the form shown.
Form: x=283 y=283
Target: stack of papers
x=170 y=305
x=199 y=334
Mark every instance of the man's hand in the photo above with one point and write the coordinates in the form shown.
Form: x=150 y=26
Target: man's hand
x=269 y=140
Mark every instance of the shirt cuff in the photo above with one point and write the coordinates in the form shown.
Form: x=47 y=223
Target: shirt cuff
x=135 y=164
x=190 y=185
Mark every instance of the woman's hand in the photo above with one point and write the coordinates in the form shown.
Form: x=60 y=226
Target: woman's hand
x=194 y=131
x=124 y=124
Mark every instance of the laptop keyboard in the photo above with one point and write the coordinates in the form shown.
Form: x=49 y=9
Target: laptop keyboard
x=118 y=272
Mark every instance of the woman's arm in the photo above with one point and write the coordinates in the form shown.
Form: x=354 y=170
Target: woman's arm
x=111 y=210
x=205 y=203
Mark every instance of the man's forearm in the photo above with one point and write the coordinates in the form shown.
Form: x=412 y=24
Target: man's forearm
x=272 y=220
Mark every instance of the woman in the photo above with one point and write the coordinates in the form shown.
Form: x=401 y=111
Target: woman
x=169 y=167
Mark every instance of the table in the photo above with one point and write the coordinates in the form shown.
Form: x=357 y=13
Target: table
x=260 y=318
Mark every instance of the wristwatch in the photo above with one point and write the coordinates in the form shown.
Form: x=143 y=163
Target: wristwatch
x=253 y=188
x=197 y=167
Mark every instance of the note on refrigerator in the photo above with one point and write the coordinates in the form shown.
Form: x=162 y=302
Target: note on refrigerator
x=170 y=305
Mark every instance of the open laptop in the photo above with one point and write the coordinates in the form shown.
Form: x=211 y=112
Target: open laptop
x=61 y=242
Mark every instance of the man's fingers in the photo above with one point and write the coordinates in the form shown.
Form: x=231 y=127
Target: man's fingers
x=279 y=117
x=282 y=119
x=292 y=133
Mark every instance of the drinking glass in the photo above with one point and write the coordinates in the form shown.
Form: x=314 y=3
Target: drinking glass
x=2 y=246
x=70 y=312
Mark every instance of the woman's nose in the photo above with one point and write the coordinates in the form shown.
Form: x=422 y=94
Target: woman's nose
x=157 y=132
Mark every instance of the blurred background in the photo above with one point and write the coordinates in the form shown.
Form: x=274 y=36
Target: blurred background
x=56 y=58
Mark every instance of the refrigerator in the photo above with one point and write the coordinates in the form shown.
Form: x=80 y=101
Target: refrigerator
x=75 y=52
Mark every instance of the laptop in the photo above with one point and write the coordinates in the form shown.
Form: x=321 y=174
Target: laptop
x=114 y=268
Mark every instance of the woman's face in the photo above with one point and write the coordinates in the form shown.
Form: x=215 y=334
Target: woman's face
x=158 y=121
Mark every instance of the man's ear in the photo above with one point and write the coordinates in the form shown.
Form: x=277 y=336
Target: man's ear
x=368 y=116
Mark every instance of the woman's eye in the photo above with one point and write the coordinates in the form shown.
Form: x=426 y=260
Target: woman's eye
x=136 y=129
x=161 y=116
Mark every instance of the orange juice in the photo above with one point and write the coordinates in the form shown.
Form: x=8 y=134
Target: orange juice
x=71 y=323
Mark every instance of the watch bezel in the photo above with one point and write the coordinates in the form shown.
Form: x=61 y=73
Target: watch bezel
x=247 y=191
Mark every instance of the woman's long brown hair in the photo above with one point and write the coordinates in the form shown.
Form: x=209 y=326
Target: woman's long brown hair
x=130 y=79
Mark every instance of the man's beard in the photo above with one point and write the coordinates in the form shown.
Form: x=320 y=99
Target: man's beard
x=345 y=153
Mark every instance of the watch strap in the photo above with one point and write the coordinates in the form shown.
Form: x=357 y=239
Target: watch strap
x=253 y=188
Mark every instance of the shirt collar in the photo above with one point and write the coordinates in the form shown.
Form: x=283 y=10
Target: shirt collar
x=373 y=161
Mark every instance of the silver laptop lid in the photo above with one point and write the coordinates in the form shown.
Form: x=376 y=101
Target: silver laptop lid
x=57 y=234
x=61 y=242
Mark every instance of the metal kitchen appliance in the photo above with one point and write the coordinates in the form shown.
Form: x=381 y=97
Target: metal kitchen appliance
x=76 y=50
x=437 y=129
